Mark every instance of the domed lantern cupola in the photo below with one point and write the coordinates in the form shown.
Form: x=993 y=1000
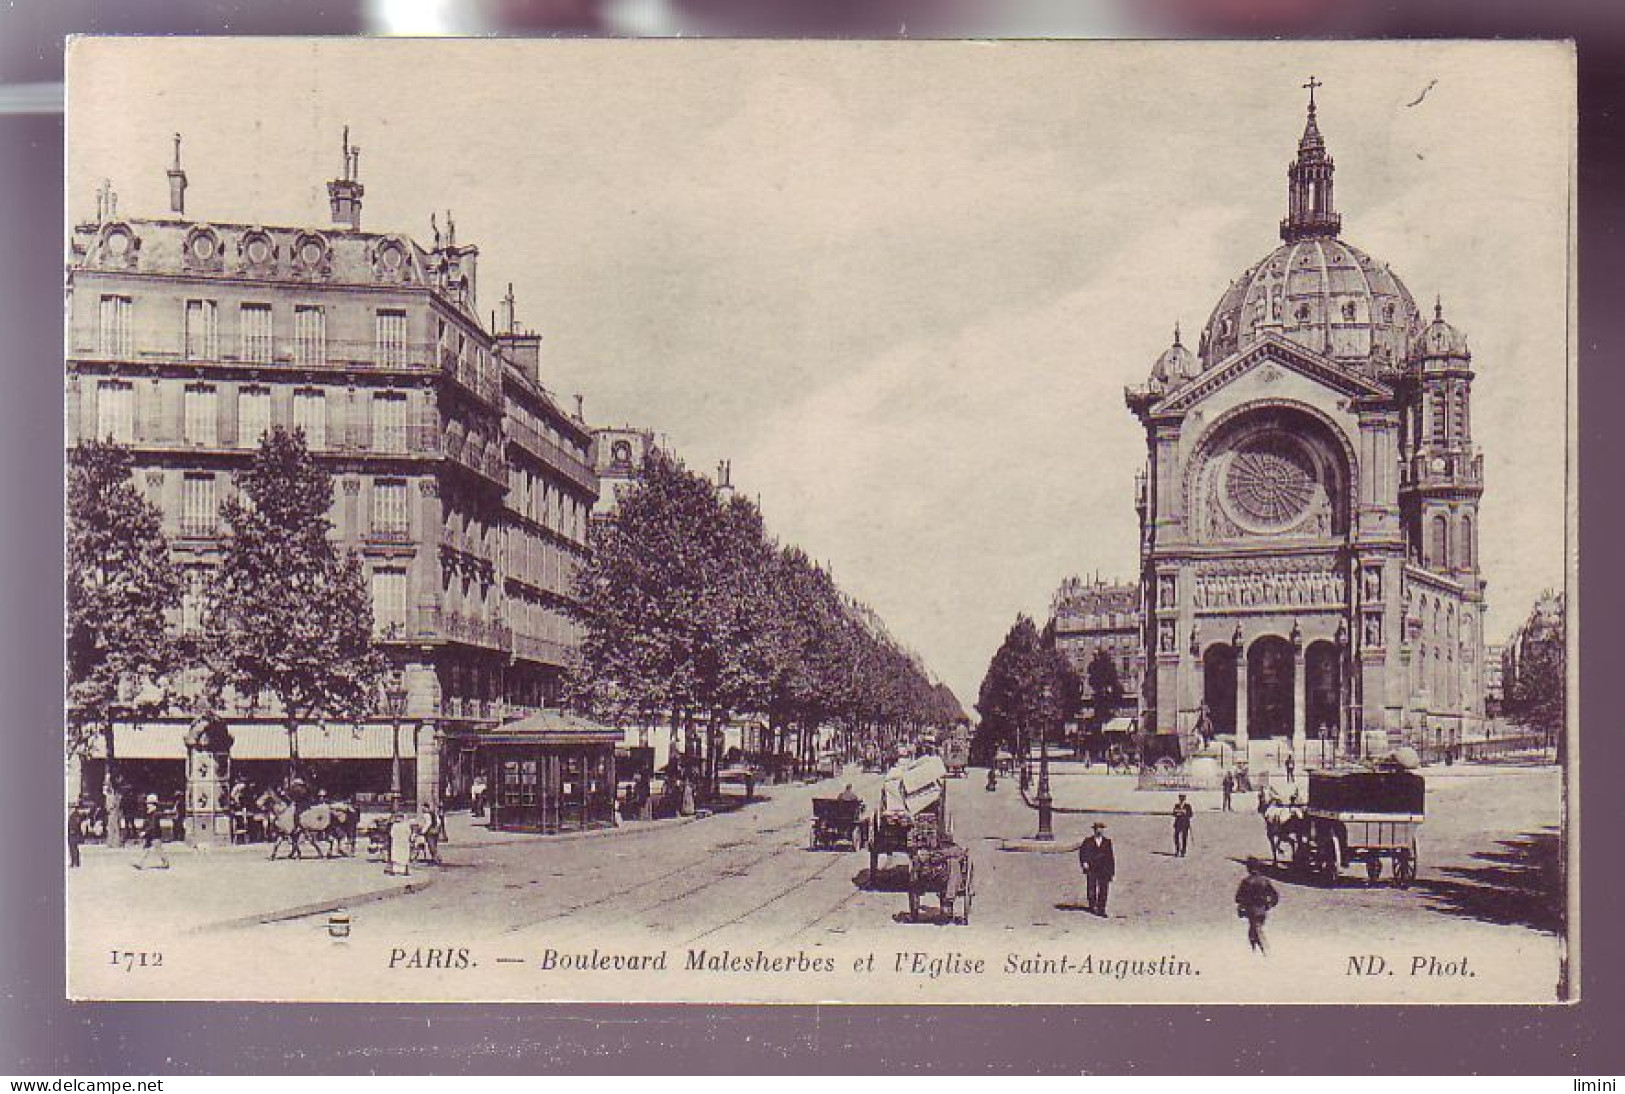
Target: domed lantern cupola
x=1310 y=213
x=1439 y=345
x=1175 y=365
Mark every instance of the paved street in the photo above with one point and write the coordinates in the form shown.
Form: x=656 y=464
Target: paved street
x=744 y=881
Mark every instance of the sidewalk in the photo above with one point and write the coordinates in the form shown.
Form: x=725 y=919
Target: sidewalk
x=233 y=886
x=228 y=886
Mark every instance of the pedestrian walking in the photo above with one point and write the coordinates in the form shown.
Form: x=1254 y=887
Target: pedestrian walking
x=152 y=837
x=476 y=795
x=1255 y=896
x=1099 y=865
x=1291 y=768
x=1183 y=814
x=1229 y=787
x=76 y=833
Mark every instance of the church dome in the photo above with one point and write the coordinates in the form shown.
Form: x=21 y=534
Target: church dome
x=1440 y=339
x=1321 y=293
x=1314 y=289
x=1175 y=365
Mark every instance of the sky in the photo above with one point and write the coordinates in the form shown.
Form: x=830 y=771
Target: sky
x=902 y=285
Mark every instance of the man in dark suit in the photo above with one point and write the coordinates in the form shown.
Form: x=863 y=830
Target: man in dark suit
x=1099 y=866
x=1183 y=814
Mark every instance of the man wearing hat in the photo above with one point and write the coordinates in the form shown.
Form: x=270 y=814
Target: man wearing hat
x=152 y=836
x=1099 y=866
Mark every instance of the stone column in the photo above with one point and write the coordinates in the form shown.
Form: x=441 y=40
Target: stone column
x=427 y=744
x=1300 y=694
x=208 y=774
x=1241 y=693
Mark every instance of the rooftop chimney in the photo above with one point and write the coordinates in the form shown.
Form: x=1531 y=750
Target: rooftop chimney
x=344 y=193
x=177 y=183
x=522 y=347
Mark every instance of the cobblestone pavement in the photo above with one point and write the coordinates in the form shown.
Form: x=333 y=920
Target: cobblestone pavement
x=736 y=883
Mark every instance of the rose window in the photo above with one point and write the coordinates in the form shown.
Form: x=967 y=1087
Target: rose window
x=1270 y=483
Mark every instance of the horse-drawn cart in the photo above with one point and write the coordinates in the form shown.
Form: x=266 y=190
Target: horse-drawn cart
x=1366 y=817
x=913 y=791
x=837 y=822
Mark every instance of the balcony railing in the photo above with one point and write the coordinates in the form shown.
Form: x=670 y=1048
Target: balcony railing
x=486 y=385
x=545 y=650
x=435 y=623
x=1453 y=469
x=286 y=353
x=567 y=463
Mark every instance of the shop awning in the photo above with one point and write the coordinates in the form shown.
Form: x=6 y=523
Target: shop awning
x=263 y=741
x=1119 y=725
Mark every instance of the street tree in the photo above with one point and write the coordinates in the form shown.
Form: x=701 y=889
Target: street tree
x=1105 y=686
x=121 y=585
x=290 y=617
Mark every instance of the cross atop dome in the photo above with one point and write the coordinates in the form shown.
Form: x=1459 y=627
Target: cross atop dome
x=1311 y=85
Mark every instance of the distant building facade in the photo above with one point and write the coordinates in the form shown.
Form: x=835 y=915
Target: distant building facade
x=1088 y=615
x=617 y=453
x=463 y=487
x=1309 y=511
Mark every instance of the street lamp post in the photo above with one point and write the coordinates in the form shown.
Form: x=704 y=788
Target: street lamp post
x=1046 y=830
x=395 y=698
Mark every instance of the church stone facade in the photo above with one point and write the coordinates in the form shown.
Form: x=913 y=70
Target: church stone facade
x=1309 y=511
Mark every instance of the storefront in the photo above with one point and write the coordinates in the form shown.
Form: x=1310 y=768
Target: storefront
x=550 y=772
x=348 y=761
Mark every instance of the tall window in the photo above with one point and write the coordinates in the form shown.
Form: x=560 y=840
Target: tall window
x=253 y=415
x=256 y=332
x=1441 y=544
x=202 y=330
x=389 y=421
x=309 y=335
x=197 y=505
x=114 y=337
x=391 y=337
x=1466 y=542
x=201 y=418
x=310 y=415
x=1441 y=416
x=389 y=507
x=115 y=411
x=388 y=599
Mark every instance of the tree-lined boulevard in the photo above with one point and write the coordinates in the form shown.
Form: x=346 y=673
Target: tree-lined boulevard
x=744 y=880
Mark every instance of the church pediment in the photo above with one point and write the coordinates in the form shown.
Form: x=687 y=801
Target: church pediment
x=1274 y=352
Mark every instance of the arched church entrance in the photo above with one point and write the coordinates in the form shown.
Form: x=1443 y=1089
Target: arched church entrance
x=1323 y=689
x=1270 y=674
x=1219 y=686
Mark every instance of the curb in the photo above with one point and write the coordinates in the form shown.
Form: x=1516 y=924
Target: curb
x=303 y=911
x=630 y=828
x=1041 y=847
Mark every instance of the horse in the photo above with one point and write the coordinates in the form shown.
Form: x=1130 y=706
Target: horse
x=1285 y=826
x=286 y=821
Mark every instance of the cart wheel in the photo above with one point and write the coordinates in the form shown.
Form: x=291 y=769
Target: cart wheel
x=1405 y=869
x=1373 y=869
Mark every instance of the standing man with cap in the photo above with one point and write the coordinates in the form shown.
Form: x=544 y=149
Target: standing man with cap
x=1099 y=867
x=1182 y=826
